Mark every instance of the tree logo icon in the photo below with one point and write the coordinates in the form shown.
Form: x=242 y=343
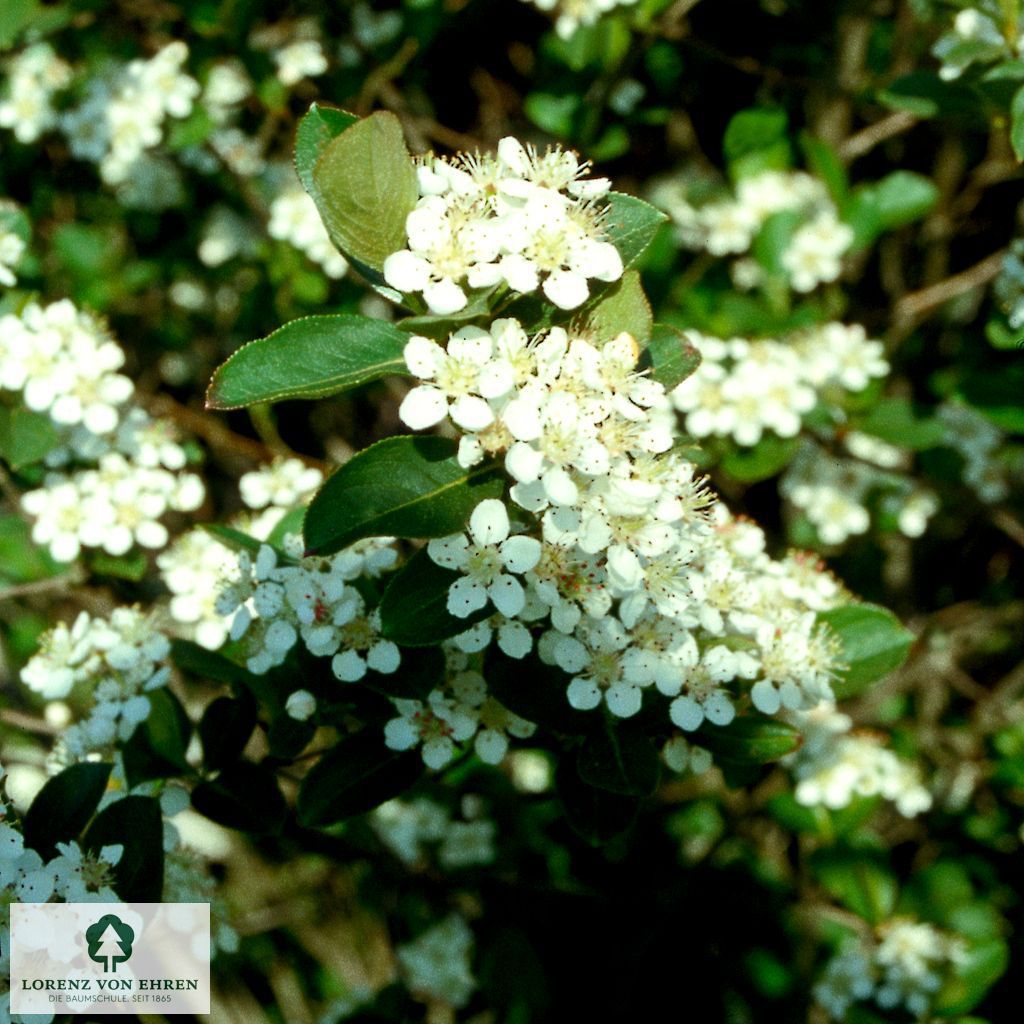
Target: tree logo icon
x=110 y=941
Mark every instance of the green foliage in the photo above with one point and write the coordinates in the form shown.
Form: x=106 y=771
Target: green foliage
x=353 y=777
x=873 y=644
x=364 y=184
x=314 y=357
x=64 y=806
x=400 y=487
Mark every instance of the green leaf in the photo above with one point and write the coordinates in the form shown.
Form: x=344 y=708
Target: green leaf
x=313 y=357
x=873 y=644
x=156 y=750
x=670 y=356
x=132 y=566
x=409 y=486
x=894 y=421
x=774 y=238
x=631 y=225
x=317 y=128
x=1017 y=123
x=623 y=307
x=225 y=729
x=25 y=436
x=356 y=776
x=859 y=879
x=769 y=456
x=997 y=394
x=135 y=823
x=63 y=807
x=824 y=161
x=924 y=94
x=621 y=759
x=984 y=963
x=243 y=796
x=755 y=141
x=753 y=739
x=414 y=607
x=364 y=185
x=205 y=664
x=903 y=197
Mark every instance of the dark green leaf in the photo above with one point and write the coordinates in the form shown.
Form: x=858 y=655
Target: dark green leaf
x=753 y=739
x=414 y=607
x=621 y=759
x=157 y=748
x=225 y=729
x=313 y=357
x=359 y=774
x=243 y=796
x=860 y=880
x=135 y=823
x=400 y=487
x=63 y=807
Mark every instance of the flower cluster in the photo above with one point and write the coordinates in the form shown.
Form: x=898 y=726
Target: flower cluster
x=571 y=15
x=728 y=226
x=833 y=492
x=12 y=244
x=115 y=472
x=410 y=828
x=902 y=968
x=517 y=218
x=72 y=876
x=111 y=664
x=638 y=581
x=438 y=963
x=981 y=34
x=743 y=388
x=123 y=117
x=459 y=712
x=274 y=600
x=835 y=765
x=33 y=77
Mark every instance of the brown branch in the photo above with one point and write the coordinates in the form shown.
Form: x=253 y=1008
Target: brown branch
x=917 y=303
x=867 y=138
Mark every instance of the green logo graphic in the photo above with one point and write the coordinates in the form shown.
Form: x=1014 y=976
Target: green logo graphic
x=110 y=941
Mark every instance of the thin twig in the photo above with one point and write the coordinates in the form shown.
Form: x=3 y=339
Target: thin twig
x=914 y=304
x=867 y=138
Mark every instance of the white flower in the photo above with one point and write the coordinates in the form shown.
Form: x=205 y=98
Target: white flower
x=303 y=58
x=489 y=560
x=300 y=705
x=285 y=483
x=438 y=725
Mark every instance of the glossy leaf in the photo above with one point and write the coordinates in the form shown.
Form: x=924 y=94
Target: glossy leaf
x=399 y=487
x=313 y=357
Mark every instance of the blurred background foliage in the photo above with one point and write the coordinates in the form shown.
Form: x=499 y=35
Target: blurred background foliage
x=722 y=904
